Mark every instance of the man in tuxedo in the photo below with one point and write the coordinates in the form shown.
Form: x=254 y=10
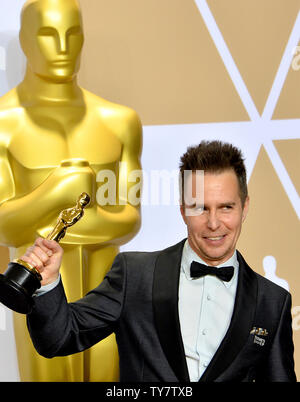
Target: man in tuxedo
x=192 y=312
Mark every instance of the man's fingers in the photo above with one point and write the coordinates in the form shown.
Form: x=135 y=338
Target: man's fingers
x=33 y=260
x=52 y=245
x=41 y=254
x=29 y=260
x=37 y=255
x=40 y=242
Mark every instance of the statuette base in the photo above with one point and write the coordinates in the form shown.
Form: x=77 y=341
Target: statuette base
x=17 y=287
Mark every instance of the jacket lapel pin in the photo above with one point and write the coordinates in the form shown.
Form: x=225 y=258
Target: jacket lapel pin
x=258 y=340
x=259 y=331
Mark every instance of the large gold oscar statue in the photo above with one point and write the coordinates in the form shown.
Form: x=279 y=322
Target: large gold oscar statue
x=55 y=138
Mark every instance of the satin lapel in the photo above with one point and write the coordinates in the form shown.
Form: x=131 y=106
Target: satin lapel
x=165 y=307
x=240 y=325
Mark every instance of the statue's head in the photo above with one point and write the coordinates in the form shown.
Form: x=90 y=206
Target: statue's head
x=51 y=37
x=84 y=200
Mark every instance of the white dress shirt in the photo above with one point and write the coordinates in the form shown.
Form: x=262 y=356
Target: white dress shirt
x=205 y=310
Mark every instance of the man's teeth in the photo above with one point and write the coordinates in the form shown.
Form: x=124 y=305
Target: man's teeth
x=215 y=238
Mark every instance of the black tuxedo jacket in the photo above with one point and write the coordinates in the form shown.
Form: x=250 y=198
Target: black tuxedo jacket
x=138 y=300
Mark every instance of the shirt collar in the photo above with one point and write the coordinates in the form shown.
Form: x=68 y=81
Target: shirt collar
x=189 y=255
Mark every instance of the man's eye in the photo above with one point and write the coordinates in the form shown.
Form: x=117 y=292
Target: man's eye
x=197 y=208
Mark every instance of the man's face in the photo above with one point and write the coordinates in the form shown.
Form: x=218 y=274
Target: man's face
x=213 y=233
x=52 y=38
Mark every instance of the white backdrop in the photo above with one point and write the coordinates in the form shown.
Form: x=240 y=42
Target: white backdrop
x=249 y=136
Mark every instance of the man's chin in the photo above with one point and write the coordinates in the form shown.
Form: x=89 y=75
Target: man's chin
x=216 y=257
x=212 y=254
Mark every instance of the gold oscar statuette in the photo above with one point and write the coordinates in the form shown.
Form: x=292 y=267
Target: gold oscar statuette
x=20 y=281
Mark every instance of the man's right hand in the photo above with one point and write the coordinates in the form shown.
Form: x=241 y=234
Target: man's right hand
x=46 y=256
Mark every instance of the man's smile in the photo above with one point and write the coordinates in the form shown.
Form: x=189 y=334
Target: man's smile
x=215 y=240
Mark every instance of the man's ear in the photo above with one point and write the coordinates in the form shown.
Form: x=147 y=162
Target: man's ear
x=246 y=208
x=182 y=211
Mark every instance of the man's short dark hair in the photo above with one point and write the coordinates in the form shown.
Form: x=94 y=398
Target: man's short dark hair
x=216 y=157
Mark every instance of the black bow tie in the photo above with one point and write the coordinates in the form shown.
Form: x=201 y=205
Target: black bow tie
x=198 y=270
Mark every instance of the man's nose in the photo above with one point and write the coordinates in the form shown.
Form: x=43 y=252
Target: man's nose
x=213 y=221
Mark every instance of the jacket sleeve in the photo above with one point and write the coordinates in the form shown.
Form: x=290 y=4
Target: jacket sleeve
x=58 y=328
x=280 y=361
